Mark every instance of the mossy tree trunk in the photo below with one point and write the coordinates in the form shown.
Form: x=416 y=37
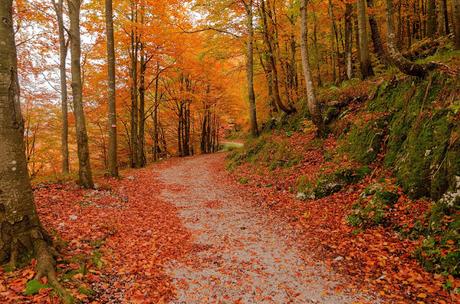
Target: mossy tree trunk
x=20 y=230
x=404 y=65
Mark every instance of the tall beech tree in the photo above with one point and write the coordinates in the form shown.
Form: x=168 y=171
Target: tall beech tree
x=20 y=227
x=312 y=102
x=84 y=172
x=248 y=5
x=63 y=46
x=364 y=58
x=112 y=112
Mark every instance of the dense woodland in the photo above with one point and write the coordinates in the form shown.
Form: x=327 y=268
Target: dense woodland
x=105 y=86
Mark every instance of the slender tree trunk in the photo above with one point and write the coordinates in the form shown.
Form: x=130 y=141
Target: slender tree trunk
x=404 y=65
x=456 y=22
x=432 y=19
x=365 y=61
x=349 y=39
x=134 y=90
x=375 y=35
x=112 y=113
x=20 y=227
x=155 y=115
x=273 y=67
x=315 y=41
x=85 y=175
x=445 y=17
x=250 y=69
x=59 y=9
x=141 y=134
x=313 y=106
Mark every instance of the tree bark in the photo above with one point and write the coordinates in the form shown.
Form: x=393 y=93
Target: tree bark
x=456 y=22
x=349 y=39
x=59 y=9
x=85 y=175
x=112 y=113
x=432 y=19
x=375 y=35
x=20 y=227
x=271 y=58
x=365 y=62
x=404 y=65
x=250 y=68
x=141 y=134
x=134 y=88
x=313 y=106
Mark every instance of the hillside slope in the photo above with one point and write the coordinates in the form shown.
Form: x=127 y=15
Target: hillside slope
x=379 y=198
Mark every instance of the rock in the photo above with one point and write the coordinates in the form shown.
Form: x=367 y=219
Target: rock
x=73 y=217
x=131 y=178
x=338 y=259
x=301 y=196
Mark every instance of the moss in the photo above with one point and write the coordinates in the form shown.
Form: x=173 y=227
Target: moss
x=265 y=151
x=327 y=184
x=364 y=142
x=416 y=129
x=419 y=168
x=372 y=207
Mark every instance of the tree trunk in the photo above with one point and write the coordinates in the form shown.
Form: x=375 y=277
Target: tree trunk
x=404 y=65
x=432 y=19
x=141 y=134
x=445 y=17
x=250 y=69
x=85 y=175
x=273 y=67
x=349 y=39
x=313 y=106
x=365 y=62
x=375 y=35
x=20 y=227
x=59 y=9
x=456 y=22
x=155 y=115
x=112 y=114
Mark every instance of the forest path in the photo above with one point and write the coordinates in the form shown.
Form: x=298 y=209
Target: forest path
x=242 y=258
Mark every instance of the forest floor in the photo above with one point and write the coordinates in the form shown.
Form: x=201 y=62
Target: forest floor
x=182 y=231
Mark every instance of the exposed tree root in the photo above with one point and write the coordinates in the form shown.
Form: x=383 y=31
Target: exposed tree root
x=46 y=264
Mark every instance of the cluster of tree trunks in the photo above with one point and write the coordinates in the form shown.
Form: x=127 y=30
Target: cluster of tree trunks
x=210 y=131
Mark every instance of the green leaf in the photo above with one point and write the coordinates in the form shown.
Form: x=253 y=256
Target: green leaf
x=33 y=287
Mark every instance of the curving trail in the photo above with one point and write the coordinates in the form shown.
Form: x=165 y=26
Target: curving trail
x=242 y=257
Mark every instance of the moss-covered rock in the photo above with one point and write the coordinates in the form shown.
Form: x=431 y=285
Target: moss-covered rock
x=415 y=125
x=372 y=207
x=327 y=184
x=440 y=251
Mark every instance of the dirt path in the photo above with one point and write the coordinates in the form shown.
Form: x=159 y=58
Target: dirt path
x=241 y=258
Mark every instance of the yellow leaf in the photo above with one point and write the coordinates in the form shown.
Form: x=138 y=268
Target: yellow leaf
x=421 y=295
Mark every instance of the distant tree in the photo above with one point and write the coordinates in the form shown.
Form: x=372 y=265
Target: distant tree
x=456 y=22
